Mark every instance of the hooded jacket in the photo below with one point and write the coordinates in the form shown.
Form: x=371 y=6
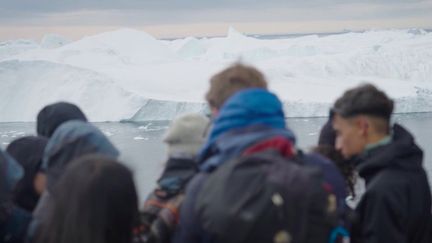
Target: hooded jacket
x=52 y=116
x=396 y=206
x=28 y=151
x=70 y=141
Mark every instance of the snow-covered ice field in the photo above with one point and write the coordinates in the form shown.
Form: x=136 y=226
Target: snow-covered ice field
x=130 y=75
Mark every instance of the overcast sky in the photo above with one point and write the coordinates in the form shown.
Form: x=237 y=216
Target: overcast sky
x=170 y=18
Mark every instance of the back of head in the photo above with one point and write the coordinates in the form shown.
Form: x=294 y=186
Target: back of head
x=28 y=151
x=232 y=79
x=364 y=100
x=327 y=134
x=52 y=116
x=252 y=111
x=72 y=140
x=186 y=134
x=346 y=167
x=94 y=202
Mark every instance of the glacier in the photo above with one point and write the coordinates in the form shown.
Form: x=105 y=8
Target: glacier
x=128 y=75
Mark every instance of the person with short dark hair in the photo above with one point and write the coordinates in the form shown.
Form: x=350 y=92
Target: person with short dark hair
x=28 y=151
x=396 y=206
x=95 y=201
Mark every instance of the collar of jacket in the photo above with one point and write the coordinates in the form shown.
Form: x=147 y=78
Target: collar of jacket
x=234 y=142
x=401 y=153
x=246 y=108
x=384 y=141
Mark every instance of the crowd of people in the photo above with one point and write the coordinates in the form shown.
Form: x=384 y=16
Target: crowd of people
x=235 y=176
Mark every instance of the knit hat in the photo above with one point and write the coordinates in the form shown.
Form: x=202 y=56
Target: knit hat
x=187 y=134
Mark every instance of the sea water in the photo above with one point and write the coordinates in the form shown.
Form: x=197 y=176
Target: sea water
x=143 y=151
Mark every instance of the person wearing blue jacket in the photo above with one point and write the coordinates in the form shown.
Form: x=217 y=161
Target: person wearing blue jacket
x=245 y=114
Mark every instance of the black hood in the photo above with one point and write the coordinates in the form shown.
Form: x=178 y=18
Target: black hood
x=52 y=116
x=402 y=153
x=28 y=152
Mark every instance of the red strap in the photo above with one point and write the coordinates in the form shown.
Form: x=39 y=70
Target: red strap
x=278 y=143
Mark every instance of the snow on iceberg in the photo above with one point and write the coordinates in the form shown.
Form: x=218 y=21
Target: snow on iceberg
x=154 y=110
x=130 y=75
x=15 y=47
x=191 y=47
x=53 y=41
x=27 y=86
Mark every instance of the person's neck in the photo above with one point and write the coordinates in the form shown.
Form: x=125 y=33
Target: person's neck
x=376 y=138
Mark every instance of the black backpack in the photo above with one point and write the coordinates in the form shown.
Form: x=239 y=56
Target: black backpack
x=265 y=197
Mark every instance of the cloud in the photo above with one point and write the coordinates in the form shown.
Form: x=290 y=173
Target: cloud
x=349 y=14
x=50 y=6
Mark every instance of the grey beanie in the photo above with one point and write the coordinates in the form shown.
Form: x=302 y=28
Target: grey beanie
x=186 y=135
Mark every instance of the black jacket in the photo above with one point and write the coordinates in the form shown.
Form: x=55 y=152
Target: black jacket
x=177 y=173
x=28 y=152
x=397 y=204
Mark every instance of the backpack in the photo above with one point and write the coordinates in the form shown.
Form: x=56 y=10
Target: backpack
x=265 y=197
x=159 y=217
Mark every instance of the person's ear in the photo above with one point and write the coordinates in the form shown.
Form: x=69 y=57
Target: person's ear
x=360 y=125
x=363 y=126
x=215 y=112
x=39 y=182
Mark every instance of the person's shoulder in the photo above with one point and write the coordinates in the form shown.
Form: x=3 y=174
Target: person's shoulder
x=388 y=181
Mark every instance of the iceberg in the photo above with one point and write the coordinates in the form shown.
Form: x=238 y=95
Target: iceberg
x=128 y=75
x=27 y=86
x=53 y=41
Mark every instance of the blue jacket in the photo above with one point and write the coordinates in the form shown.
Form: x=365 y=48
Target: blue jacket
x=246 y=119
x=246 y=108
x=249 y=116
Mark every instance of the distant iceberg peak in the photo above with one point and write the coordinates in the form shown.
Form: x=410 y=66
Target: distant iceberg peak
x=233 y=33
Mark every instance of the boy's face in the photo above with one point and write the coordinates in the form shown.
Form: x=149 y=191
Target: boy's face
x=350 y=135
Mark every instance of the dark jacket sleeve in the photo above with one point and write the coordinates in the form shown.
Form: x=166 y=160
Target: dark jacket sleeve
x=189 y=229
x=15 y=227
x=382 y=213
